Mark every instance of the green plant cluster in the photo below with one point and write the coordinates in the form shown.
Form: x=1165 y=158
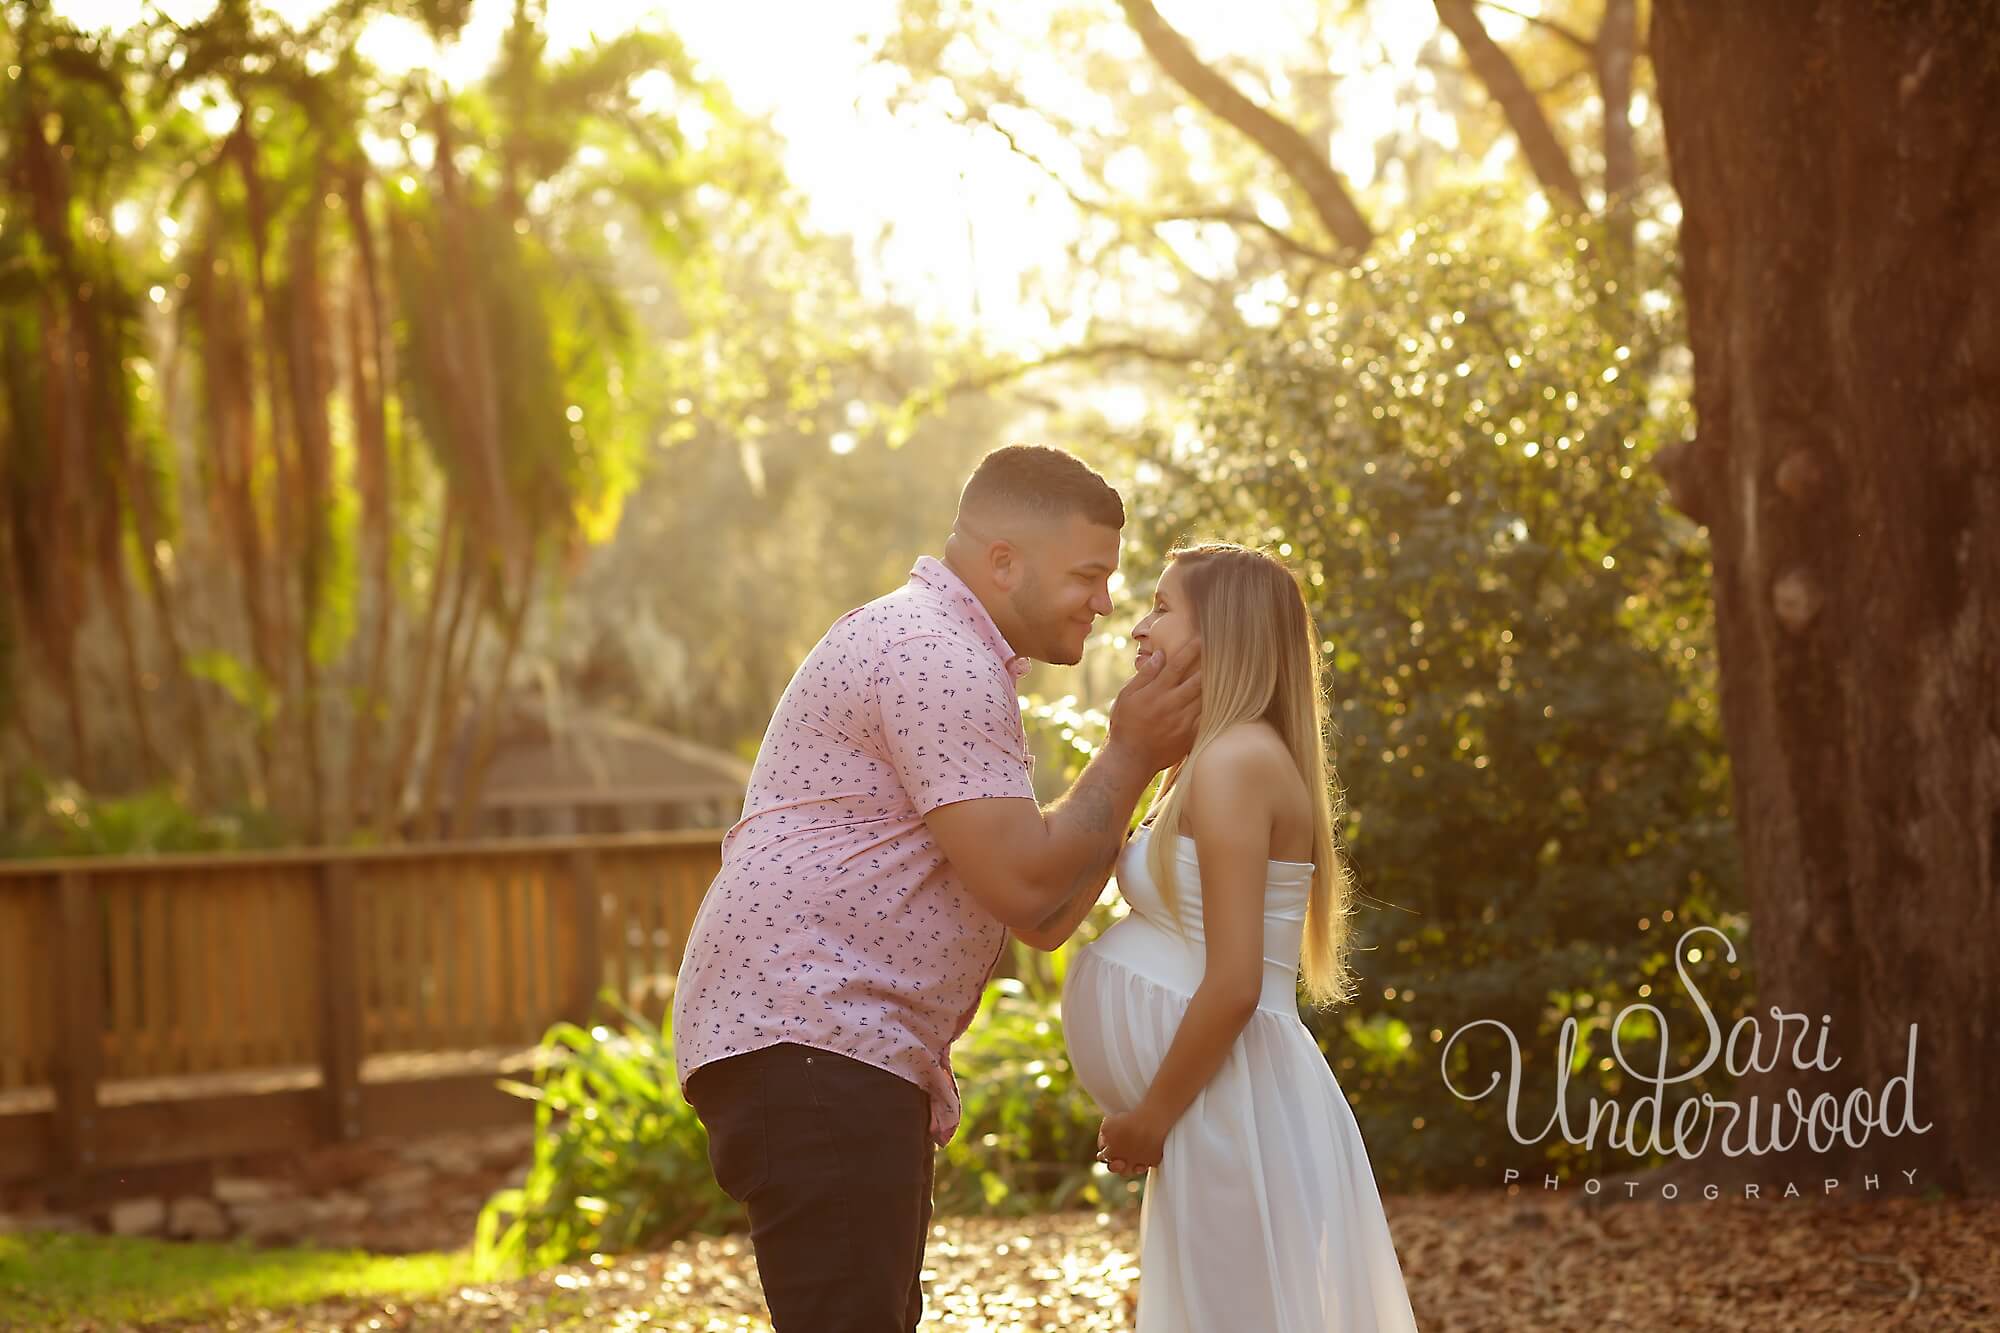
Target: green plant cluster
x=48 y=817
x=621 y=1159
x=1451 y=443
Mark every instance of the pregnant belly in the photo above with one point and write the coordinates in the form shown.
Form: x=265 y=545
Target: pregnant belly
x=1117 y=1019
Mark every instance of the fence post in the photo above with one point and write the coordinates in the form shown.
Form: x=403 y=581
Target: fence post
x=79 y=1058
x=587 y=920
x=340 y=1000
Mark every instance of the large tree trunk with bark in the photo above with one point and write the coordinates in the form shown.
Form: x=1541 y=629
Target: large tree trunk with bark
x=1837 y=168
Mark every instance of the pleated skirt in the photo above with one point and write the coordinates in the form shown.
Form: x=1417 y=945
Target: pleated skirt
x=1263 y=1214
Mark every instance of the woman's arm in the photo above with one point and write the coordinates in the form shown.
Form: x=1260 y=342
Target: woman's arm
x=1229 y=810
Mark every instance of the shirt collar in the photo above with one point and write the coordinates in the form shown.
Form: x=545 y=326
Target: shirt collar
x=958 y=599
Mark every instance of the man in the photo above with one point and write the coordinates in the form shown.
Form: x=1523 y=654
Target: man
x=890 y=839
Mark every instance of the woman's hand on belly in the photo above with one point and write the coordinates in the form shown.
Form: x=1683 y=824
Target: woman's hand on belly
x=1130 y=1142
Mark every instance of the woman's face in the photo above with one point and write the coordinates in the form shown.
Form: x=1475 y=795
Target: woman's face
x=1170 y=623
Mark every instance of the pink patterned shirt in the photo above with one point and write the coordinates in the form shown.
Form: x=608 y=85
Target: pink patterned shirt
x=836 y=922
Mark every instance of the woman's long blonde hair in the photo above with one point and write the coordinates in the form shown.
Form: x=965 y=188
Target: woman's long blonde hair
x=1260 y=659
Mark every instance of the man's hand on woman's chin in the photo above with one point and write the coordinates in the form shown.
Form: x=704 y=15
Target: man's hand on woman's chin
x=1154 y=717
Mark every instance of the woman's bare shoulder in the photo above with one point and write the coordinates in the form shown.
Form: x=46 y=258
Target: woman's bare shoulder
x=1244 y=754
x=1244 y=747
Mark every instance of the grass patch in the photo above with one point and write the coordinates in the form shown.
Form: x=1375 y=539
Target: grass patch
x=51 y=1280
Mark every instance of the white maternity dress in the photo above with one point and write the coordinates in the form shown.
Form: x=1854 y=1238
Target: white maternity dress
x=1263 y=1214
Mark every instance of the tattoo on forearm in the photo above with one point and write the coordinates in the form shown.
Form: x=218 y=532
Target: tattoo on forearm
x=1096 y=802
x=1093 y=809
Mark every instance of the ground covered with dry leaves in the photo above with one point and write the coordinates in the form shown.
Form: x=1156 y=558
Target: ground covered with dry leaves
x=1474 y=1261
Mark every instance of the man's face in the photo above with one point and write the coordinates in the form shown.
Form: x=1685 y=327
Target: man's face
x=1065 y=586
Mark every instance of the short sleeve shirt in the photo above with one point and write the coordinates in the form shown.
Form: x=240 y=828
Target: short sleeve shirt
x=836 y=922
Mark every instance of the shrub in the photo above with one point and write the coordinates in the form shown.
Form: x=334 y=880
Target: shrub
x=1452 y=443
x=43 y=816
x=621 y=1161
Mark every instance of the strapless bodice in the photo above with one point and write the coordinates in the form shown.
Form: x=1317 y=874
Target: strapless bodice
x=1151 y=942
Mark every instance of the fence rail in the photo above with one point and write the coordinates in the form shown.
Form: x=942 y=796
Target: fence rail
x=302 y=970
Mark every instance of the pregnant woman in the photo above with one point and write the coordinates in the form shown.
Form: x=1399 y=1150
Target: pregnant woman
x=1261 y=1210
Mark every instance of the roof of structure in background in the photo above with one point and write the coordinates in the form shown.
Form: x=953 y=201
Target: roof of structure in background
x=589 y=757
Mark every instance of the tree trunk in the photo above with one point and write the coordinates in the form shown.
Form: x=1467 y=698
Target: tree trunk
x=395 y=779
x=446 y=717
x=1616 y=52
x=472 y=778
x=306 y=361
x=118 y=597
x=1840 y=241
x=368 y=365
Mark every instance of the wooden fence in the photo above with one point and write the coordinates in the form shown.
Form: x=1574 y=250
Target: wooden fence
x=179 y=1008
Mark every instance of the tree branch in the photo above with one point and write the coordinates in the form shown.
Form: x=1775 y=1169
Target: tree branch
x=983 y=114
x=1121 y=349
x=1282 y=141
x=1562 y=81
x=985 y=380
x=1505 y=85
x=1235 y=217
x=1239 y=218
x=1562 y=30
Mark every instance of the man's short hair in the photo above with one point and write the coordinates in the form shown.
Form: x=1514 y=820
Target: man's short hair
x=1036 y=479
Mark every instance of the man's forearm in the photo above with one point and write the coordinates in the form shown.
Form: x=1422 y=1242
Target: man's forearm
x=1085 y=829
x=1060 y=924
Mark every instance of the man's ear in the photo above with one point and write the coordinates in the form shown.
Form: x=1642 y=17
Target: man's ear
x=1005 y=562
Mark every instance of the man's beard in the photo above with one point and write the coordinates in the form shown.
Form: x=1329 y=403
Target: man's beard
x=1041 y=622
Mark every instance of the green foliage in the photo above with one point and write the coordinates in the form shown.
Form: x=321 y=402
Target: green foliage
x=774 y=536
x=414 y=366
x=621 y=1159
x=1450 y=445
x=1064 y=734
x=245 y=685
x=46 y=817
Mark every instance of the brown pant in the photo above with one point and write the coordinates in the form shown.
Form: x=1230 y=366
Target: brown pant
x=833 y=1160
